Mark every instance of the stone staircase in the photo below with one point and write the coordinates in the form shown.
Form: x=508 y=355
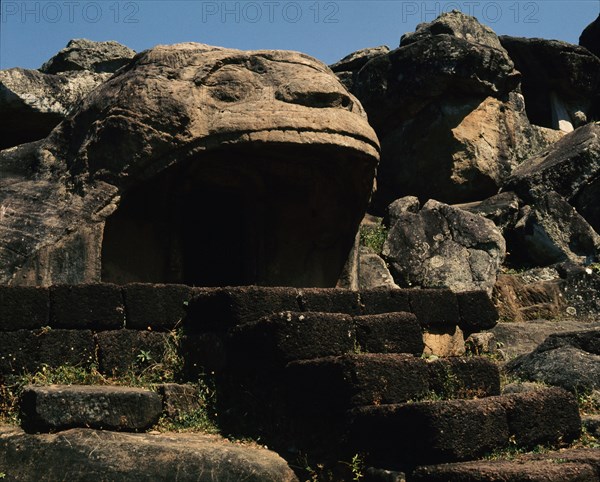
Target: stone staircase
x=326 y=372
x=335 y=373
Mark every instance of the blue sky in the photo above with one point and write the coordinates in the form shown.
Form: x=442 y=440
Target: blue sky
x=33 y=31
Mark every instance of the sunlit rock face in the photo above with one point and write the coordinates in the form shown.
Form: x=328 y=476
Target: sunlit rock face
x=33 y=102
x=198 y=165
x=448 y=111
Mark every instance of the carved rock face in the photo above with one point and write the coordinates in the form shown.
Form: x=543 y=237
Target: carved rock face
x=209 y=166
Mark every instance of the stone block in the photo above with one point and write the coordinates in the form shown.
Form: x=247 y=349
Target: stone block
x=122 y=351
x=154 y=306
x=219 y=309
x=384 y=300
x=59 y=407
x=326 y=300
x=23 y=308
x=434 y=307
x=92 y=306
x=283 y=337
x=477 y=311
x=178 y=399
x=25 y=351
x=389 y=333
x=504 y=470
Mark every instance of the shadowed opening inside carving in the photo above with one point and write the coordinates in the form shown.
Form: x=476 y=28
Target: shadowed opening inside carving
x=284 y=216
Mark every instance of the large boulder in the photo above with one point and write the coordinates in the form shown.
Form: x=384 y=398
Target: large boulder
x=395 y=87
x=552 y=231
x=590 y=37
x=569 y=360
x=458 y=25
x=442 y=246
x=447 y=109
x=193 y=164
x=33 y=102
x=571 y=168
x=347 y=68
x=456 y=150
x=83 y=54
x=560 y=83
x=86 y=454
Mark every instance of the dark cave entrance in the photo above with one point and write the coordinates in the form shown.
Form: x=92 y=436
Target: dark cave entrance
x=239 y=217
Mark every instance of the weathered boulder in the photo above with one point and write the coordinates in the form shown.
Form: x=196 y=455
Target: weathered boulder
x=407 y=204
x=86 y=454
x=447 y=109
x=552 y=231
x=581 y=288
x=395 y=87
x=33 y=102
x=522 y=337
x=566 y=290
x=58 y=407
x=372 y=271
x=442 y=246
x=519 y=299
x=560 y=81
x=83 y=54
x=347 y=68
x=194 y=164
x=456 y=150
x=571 y=168
x=502 y=209
x=458 y=25
x=590 y=37
x=568 y=360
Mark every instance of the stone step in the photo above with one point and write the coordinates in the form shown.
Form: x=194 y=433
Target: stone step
x=506 y=471
x=283 y=337
x=329 y=386
x=222 y=308
x=81 y=455
x=566 y=465
x=277 y=339
x=59 y=407
x=434 y=432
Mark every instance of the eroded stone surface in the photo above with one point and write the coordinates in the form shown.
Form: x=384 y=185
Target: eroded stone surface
x=560 y=81
x=58 y=407
x=570 y=168
x=136 y=172
x=442 y=246
x=33 y=102
x=133 y=457
x=569 y=360
x=83 y=54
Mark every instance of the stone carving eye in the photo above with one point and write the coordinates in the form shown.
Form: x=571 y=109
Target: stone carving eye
x=231 y=84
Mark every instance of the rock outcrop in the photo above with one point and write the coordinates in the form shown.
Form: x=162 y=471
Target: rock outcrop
x=87 y=454
x=33 y=102
x=560 y=81
x=590 y=37
x=83 y=54
x=571 y=168
x=442 y=246
x=568 y=360
x=447 y=109
x=220 y=166
x=552 y=231
x=347 y=68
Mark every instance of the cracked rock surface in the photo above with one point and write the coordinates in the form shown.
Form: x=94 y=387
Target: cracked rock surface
x=442 y=246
